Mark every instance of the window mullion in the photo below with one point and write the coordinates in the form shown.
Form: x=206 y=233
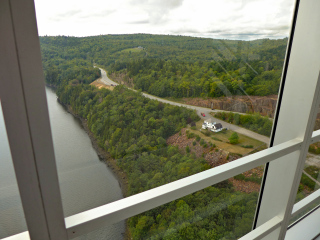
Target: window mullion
x=26 y=117
x=299 y=104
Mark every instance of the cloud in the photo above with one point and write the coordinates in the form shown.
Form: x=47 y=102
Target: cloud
x=157 y=10
x=146 y=21
x=81 y=14
x=241 y=19
x=64 y=15
x=98 y=14
x=184 y=30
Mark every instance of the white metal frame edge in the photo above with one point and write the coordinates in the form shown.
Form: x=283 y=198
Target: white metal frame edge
x=299 y=107
x=303 y=204
x=25 y=111
x=263 y=230
x=122 y=209
x=315 y=136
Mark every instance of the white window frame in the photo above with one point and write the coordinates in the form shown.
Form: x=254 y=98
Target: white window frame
x=24 y=105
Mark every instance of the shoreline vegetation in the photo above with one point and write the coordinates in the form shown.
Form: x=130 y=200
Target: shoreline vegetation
x=106 y=158
x=103 y=154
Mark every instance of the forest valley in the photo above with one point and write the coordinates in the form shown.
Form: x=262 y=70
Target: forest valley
x=141 y=134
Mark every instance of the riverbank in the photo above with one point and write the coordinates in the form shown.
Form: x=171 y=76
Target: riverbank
x=107 y=159
x=103 y=155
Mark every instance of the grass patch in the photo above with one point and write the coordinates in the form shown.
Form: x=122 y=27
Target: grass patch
x=132 y=50
x=217 y=139
x=313 y=171
x=305 y=180
x=221 y=139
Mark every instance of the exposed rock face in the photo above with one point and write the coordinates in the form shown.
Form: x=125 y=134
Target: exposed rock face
x=263 y=105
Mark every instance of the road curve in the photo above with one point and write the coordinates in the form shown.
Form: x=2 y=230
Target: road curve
x=105 y=79
x=206 y=111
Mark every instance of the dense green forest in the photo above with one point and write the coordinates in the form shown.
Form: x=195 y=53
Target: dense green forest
x=175 y=66
x=254 y=122
x=134 y=129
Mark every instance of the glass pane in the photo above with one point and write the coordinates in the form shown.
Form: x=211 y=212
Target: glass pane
x=12 y=219
x=300 y=216
x=197 y=89
x=85 y=181
x=310 y=179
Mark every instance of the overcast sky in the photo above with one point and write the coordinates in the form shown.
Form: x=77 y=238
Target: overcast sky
x=227 y=19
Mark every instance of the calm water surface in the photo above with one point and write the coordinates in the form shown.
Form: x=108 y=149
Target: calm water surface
x=85 y=181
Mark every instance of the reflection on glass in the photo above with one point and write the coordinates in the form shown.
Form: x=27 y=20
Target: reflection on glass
x=12 y=219
x=162 y=105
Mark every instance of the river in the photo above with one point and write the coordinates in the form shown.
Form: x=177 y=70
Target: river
x=85 y=181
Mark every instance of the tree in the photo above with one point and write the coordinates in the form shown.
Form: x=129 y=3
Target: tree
x=234 y=138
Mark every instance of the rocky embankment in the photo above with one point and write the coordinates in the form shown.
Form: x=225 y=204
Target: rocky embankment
x=264 y=105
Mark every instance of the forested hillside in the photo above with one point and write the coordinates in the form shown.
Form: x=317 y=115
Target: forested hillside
x=175 y=66
x=134 y=129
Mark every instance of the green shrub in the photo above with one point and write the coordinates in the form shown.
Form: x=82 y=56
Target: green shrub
x=194 y=143
x=187 y=149
x=234 y=138
x=190 y=135
x=240 y=177
x=198 y=138
x=193 y=128
x=247 y=146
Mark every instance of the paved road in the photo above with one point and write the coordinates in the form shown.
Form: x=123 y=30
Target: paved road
x=313 y=160
x=105 y=79
x=207 y=111
x=199 y=110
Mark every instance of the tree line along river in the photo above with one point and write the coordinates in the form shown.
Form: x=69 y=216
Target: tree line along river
x=85 y=181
